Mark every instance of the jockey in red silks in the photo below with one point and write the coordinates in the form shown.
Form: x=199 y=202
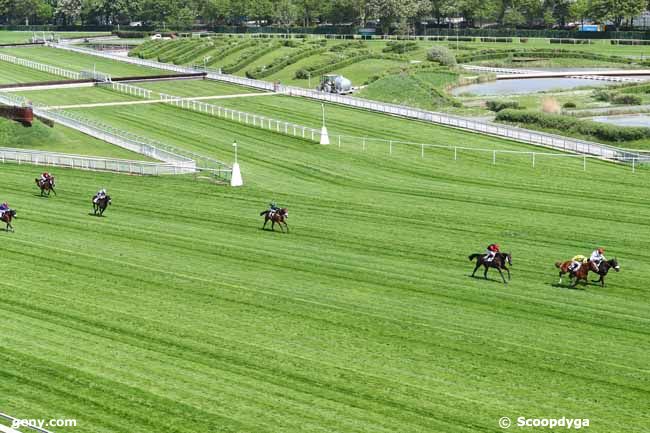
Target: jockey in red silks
x=45 y=176
x=597 y=257
x=492 y=251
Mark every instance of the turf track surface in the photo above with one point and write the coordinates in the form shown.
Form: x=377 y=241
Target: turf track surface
x=362 y=319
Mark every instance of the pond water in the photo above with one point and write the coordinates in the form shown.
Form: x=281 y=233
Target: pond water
x=626 y=120
x=530 y=85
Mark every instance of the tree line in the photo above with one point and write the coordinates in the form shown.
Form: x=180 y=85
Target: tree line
x=390 y=16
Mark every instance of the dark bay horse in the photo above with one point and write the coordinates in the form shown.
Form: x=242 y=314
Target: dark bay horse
x=46 y=185
x=101 y=204
x=279 y=216
x=499 y=263
x=604 y=268
x=7 y=217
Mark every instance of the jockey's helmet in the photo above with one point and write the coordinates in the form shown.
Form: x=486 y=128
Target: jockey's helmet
x=601 y=250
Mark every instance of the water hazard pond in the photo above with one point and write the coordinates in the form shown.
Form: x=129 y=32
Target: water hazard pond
x=532 y=85
x=625 y=120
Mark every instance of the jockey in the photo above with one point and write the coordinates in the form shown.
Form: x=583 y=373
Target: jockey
x=492 y=251
x=100 y=195
x=45 y=177
x=273 y=207
x=4 y=207
x=597 y=257
x=576 y=262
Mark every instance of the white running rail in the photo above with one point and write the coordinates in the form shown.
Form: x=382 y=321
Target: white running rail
x=41 y=67
x=536 y=138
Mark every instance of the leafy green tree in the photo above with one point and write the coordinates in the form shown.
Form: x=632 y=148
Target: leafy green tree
x=68 y=11
x=391 y=12
x=215 y=11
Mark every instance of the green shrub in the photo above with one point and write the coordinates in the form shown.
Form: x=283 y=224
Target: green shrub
x=441 y=55
x=569 y=104
x=602 y=131
x=400 y=47
x=507 y=40
x=497 y=106
x=249 y=57
x=626 y=99
x=284 y=61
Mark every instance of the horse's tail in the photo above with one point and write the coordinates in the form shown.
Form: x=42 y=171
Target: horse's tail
x=473 y=256
x=263 y=212
x=558 y=264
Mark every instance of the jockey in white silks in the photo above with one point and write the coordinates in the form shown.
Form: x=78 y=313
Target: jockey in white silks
x=100 y=194
x=597 y=257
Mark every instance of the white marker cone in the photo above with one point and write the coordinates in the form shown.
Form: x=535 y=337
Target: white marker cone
x=236 y=179
x=324 y=137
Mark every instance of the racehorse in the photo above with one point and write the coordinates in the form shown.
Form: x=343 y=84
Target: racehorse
x=279 y=216
x=7 y=216
x=499 y=263
x=604 y=268
x=101 y=204
x=576 y=276
x=46 y=185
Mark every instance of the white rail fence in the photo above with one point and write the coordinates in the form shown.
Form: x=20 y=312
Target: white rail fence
x=93 y=163
x=41 y=67
x=178 y=161
x=552 y=141
x=128 y=89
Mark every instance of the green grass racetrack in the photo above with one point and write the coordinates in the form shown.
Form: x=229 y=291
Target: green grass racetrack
x=176 y=313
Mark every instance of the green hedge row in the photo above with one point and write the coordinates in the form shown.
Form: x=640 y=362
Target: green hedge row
x=497 y=106
x=572 y=41
x=195 y=53
x=169 y=55
x=602 y=131
x=284 y=61
x=233 y=47
x=248 y=58
x=628 y=42
x=507 y=40
x=316 y=70
x=539 y=52
x=400 y=47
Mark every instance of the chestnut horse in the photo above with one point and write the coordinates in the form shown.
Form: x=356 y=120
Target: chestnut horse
x=7 y=216
x=499 y=263
x=279 y=216
x=576 y=276
x=46 y=185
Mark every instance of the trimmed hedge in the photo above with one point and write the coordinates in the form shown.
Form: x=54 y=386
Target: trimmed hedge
x=491 y=54
x=233 y=48
x=400 y=47
x=284 y=61
x=194 y=53
x=571 y=41
x=617 y=98
x=628 y=42
x=327 y=67
x=497 y=106
x=602 y=131
x=569 y=104
x=247 y=59
x=507 y=40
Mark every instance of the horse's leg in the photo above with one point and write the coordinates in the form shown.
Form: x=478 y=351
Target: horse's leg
x=287 y=226
x=561 y=275
x=281 y=227
x=502 y=277
x=508 y=271
x=273 y=225
x=486 y=270
x=478 y=265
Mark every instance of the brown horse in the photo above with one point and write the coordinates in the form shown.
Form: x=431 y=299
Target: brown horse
x=499 y=263
x=576 y=276
x=279 y=216
x=7 y=216
x=46 y=185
